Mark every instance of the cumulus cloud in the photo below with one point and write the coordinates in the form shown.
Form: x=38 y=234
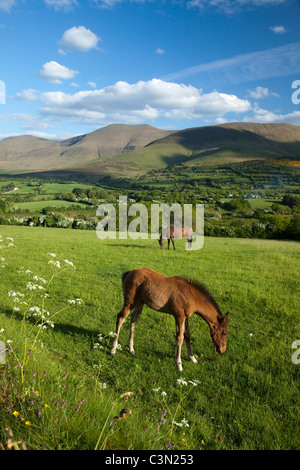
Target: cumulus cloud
x=6 y=5
x=160 y=51
x=278 y=29
x=78 y=39
x=27 y=95
x=266 y=116
x=261 y=92
x=140 y=102
x=54 y=72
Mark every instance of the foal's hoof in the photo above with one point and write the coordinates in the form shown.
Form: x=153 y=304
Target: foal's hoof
x=193 y=359
x=180 y=368
x=132 y=352
x=112 y=353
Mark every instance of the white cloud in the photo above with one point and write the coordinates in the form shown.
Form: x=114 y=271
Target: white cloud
x=261 y=92
x=140 y=102
x=232 y=6
x=112 y=3
x=278 y=29
x=277 y=62
x=53 y=72
x=6 y=5
x=27 y=95
x=78 y=39
x=61 y=4
x=265 y=116
x=160 y=51
x=92 y=84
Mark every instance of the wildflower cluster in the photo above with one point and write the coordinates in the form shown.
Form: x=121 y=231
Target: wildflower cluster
x=103 y=342
x=182 y=423
x=185 y=382
x=8 y=242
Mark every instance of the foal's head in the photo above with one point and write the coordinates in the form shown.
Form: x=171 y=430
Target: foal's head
x=219 y=334
x=161 y=242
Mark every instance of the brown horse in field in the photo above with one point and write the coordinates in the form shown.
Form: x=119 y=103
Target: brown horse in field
x=172 y=232
x=176 y=296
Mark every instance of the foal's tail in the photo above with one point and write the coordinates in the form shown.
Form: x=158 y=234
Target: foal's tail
x=124 y=275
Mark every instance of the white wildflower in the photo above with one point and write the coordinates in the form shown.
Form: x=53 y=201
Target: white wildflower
x=75 y=301
x=15 y=294
x=55 y=263
x=31 y=286
x=102 y=385
x=69 y=262
x=163 y=394
x=177 y=424
x=156 y=389
x=112 y=334
x=194 y=382
x=52 y=254
x=185 y=423
x=182 y=381
x=37 y=278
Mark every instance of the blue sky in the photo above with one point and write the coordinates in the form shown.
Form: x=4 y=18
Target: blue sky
x=69 y=67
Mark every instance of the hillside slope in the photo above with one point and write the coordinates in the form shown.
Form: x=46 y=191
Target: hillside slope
x=33 y=153
x=121 y=150
x=225 y=143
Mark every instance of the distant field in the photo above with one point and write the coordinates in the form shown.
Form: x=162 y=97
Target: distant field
x=246 y=399
x=48 y=188
x=39 y=205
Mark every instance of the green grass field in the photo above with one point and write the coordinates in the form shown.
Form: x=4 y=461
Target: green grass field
x=60 y=389
x=37 y=206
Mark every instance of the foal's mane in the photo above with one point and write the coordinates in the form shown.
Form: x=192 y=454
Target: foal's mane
x=204 y=290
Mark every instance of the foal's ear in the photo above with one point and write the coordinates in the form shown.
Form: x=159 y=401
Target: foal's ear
x=224 y=319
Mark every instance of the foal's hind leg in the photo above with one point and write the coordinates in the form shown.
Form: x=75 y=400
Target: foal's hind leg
x=180 y=327
x=120 y=320
x=187 y=337
x=173 y=243
x=134 y=318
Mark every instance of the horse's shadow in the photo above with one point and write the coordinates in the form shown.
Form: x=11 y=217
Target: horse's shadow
x=64 y=328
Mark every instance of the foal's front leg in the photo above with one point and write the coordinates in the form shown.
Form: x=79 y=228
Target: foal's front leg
x=187 y=337
x=120 y=320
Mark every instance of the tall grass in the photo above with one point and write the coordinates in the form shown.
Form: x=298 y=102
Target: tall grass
x=60 y=389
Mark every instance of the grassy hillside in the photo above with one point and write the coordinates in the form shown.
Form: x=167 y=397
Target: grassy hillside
x=120 y=150
x=67 y=389
x=32 y=153
x=236 y=142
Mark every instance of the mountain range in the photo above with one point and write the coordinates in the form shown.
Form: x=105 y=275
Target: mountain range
x=129 y=150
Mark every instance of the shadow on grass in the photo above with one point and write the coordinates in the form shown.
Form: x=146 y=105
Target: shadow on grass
x=64 y=328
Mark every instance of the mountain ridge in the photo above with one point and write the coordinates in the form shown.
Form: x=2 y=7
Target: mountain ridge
x=121 y=150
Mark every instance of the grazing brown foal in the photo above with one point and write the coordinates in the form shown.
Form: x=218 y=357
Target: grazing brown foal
x=171 y=232
x=177 y=296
